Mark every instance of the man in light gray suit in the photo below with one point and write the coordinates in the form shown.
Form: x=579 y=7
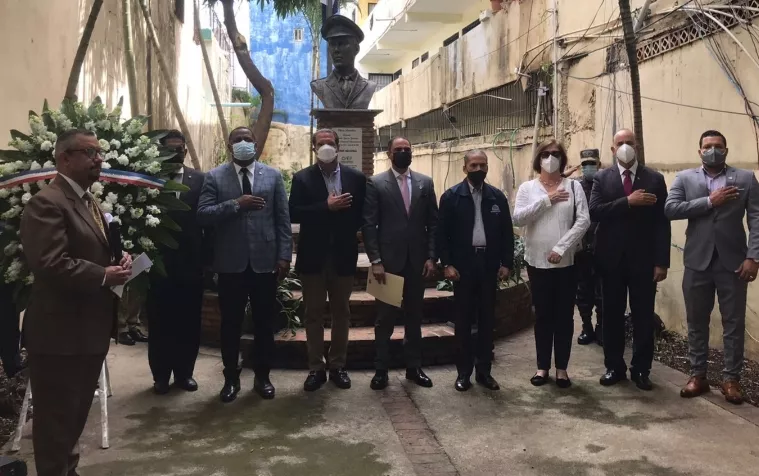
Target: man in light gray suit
x=400 y=219
x=246 y=202
x=714 y=199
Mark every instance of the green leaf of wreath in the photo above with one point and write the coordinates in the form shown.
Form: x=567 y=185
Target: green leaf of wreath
x=171 y=203
x=162 y=236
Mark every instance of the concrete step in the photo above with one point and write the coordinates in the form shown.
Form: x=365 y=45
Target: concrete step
x=438 y=347
x=438 y=308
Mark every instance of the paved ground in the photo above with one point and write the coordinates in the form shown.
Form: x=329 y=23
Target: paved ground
x=585 y=431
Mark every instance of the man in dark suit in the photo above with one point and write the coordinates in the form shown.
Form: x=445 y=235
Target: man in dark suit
x=327 y=199
x=175 y=301
x=475 y=240
x=400 y=221
x=9 y=332
x=246 y=203
x=72 y=312
x=632 y=252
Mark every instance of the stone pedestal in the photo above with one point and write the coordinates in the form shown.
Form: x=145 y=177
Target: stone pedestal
x=355 y=127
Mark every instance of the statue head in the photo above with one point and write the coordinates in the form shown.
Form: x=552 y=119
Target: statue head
x=344 y=38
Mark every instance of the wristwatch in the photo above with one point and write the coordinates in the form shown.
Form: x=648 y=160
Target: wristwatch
x=377 y=261
x=237 y=205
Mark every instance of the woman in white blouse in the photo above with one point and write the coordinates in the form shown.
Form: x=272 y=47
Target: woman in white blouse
x=553 y=214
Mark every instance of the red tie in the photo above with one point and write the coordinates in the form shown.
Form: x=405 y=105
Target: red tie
x=627 y=183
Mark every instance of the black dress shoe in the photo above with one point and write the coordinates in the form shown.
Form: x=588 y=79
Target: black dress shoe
x=380 y=380
x=125 y=339
x=186 y=384
x=563 y=382
x=642 y=381
x=612 y=377
x=586 y=337
x=417 y=376
x=263 y=387
x=539 y=380
x=315 y=380
x=340 y=378
x=230 y=390
x=487 y=381
x=138 y=336
x=463 y=383
x=161 y=388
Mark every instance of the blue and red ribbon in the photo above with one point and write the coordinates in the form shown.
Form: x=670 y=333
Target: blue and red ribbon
x=106 y=175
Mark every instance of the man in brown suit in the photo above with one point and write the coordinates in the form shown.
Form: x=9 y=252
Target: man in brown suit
x=71 y=314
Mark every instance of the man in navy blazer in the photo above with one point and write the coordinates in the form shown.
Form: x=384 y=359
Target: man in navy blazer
x=246 y=203
x=475 y=239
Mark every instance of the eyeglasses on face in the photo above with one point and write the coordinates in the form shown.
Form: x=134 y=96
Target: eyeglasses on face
x=90 y=152
x=547 y=153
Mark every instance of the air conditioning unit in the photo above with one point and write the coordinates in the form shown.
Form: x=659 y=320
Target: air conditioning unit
x=485 y=15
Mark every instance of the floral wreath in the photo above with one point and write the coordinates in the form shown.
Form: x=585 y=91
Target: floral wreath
x=134 y=189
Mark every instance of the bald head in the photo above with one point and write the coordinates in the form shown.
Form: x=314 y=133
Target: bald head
x=478 y=153
x=624 y=147
x=624 y=136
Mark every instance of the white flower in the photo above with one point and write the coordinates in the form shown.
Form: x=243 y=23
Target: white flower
x=105 y=145
x=105 y=124
x=52 y=137
x=131 y=230
x=22 y=145
x=152 y=221
x=14 y=200
x=153 y=210
x=96 y=188
x=47 y=145
x=122 y=159
x=105 y=165
x=141 y=197
x=89 y=125
x=48 y=165
x=13 y=271
x=38 y=127
x=153 y=168
x=119 y=209
x=132 y=152
x=12 y=248
x=116 y=220
x=16 y=189
x=152 y=152
x=26 y=187
x=137 y=165
x=26 y=197
x=41 y=184
x=136 y=212
x=29 y=280
x=114 y=154
x=127 y=244
x=153 y=192
x=146 y=243
x=4 y=193
x=35 y=165
x=126 y=138
x=111 y=198
x=12 y=212
x=128 y=199
x=135 y=127
x=116 y=126
x=106 y=207
x=115 y=144
x=144 y=140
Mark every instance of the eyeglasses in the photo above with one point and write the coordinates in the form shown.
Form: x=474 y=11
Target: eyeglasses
x=89 y=152
x=547 y=153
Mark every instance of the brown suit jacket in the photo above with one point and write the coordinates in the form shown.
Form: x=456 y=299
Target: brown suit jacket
x=69 y=312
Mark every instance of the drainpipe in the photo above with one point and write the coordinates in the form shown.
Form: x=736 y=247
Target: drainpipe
x=556 y=94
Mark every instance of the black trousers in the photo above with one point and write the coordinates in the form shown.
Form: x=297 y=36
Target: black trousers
x=553 y=296
x=474 y=298
x=616 y=285
x=174 y=312
x=9 y=332
x=413 y=301
x=234 y=291
x=588 y=291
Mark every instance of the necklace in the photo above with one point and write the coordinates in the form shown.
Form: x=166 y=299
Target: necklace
x=549 y=184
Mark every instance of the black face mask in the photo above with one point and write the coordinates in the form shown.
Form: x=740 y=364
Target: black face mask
x=402 y=159
x=178 y=158
x=477 y=178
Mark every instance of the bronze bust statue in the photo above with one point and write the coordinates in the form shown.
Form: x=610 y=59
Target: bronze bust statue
x=344 y=88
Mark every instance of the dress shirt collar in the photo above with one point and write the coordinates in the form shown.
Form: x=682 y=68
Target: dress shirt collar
x=472 y=187
x=332 y=174
x=78 y=190
x=407 y=174
x=251 y=168
x=351 y=77
x=633 y=169
x=722 y=172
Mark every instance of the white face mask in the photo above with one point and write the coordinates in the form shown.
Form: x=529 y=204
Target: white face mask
x=326 y=154
x=550 y=164
x=625 y=154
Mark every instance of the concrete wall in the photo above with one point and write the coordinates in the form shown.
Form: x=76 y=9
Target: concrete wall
x=40 y=39
x=284 y=61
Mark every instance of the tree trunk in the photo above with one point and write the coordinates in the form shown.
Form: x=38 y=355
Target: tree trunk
x=81 y=52
x=261 y=84
x=632 y=58
x=211 y=79
x=169 y=84
x=131 y=69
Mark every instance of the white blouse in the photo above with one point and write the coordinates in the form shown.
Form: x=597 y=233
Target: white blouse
x=548 y=227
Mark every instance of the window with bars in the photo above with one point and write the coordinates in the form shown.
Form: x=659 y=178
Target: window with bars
x=415 y=63
x=397 y=74
x=450 y=40
x=425 y=56
x=298 y=35
x=470 y=27
x=382 y=80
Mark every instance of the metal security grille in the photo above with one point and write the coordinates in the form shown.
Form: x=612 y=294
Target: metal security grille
x=382 y=80
x=479 y=115
x=664 y=42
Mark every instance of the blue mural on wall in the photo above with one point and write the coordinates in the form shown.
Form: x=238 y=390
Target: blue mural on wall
x=285 y=61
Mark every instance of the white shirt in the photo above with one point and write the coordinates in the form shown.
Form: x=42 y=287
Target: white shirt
x=633 y=172
x=408 y=180
x=251 y=175
x=548 y=227
x=478 y=233
x=180 y=176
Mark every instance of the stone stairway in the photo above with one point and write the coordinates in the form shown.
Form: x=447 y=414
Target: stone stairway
x=438 y=345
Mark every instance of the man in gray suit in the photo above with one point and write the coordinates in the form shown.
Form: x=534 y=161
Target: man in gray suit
x=245 y=201
x=400 y=219
x=714 y=199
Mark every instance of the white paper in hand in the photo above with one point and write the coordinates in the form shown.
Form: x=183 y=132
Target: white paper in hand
x=141 y=264
x=391 y=292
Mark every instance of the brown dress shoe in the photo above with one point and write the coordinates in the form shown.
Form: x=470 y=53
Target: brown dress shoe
x=697 y=385
x=731 y=389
